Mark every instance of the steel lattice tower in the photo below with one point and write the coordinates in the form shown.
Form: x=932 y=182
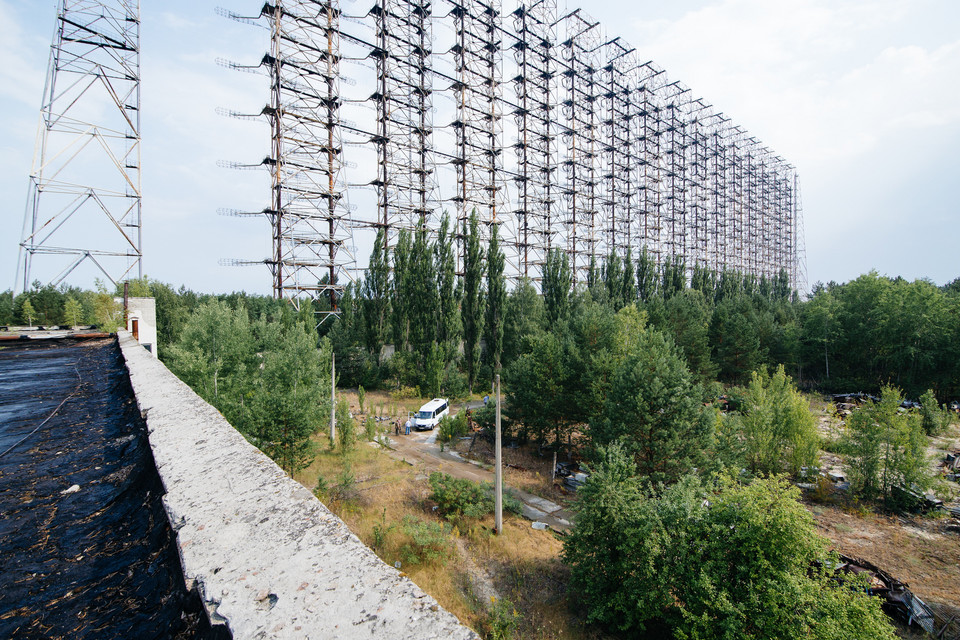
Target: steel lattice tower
x=609 y=154
x=84 y=201
x=312 y=251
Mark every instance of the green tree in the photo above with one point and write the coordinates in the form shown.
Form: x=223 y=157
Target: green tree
x=729 y=562
x=471 y=308
x=735 y=335
x=27 y=312
x=376 y=294
x=107 y=311
x=686 y=318
x=654 y=409
x=523 y=317
x=613 y=279
x=400 y=299
x=934 y=418
x=887 y=451
x=779 y=432
x=449 y=328
x=536 y=389
x=496 y=301
x=628 y=281
x=557 y=278
x=215 y=355
x=289 y=399
x=6 y=308
x=424 y=309
x=73 y=311
x=647 y=280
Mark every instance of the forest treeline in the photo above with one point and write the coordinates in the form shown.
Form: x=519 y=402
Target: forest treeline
x=452 y=327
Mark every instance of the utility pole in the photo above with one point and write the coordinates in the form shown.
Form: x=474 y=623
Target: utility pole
x=498 y=488
x=333 y=398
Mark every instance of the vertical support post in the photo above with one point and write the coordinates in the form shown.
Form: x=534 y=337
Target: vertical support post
x=498 y=487
x=333 y=397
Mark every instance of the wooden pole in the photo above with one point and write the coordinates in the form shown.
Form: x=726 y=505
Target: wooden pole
x=498 y=488
x=333 y=398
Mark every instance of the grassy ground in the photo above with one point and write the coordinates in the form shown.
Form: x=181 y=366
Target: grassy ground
x=487 y=581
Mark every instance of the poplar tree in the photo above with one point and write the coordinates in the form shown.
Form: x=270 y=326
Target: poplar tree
x=646 y=276
x=376 y=293
x=556 y=286
x=496 y=301
x=628 y=282
x=422 y=299
x=448 y=327
x=613 y=279
x=400 y=294
x=471 y=308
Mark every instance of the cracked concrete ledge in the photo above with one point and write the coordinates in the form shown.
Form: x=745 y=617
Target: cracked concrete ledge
x=268 y=558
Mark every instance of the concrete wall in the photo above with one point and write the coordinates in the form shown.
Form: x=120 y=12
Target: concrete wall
x=269 y=560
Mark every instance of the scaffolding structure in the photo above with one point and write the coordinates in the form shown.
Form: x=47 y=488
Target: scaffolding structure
x=312 y=251
x=476 y=87
x=609 y=154
x=84 y=200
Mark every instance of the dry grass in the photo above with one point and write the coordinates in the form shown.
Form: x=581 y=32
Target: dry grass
x=525 y=470
x=523 y=565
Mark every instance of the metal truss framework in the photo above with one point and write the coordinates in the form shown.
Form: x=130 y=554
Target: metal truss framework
x=609 y=154
x=84 y=200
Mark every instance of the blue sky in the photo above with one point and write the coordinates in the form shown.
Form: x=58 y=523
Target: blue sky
x=862 y=96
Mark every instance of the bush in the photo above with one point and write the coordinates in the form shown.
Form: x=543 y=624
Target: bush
x=503 y=620
x=887 y=452
x=727 y=561
x=346 y=427
x=457 y=498
x=934 y=418
x=451 y=428
x=428 y=540
x=779 y=431
x=370 y=429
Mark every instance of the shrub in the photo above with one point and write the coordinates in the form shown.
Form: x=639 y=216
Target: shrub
x=503 y=619
x=887 y=451
x=458 y=498
x=451 y=428
x=934 y=418
x=428 y=540
x=779 y=431
x=728 y=561
x=370 y=429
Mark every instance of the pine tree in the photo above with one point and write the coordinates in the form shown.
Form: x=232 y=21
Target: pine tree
x=496 y=301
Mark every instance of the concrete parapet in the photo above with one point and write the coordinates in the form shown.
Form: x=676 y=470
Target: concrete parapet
x=268 y=558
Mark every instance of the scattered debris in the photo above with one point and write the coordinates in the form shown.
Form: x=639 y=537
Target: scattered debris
x=539 y=526
x=72 y=489
x=898 y=601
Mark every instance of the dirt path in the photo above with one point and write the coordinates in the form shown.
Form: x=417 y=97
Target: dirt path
x=421 y=448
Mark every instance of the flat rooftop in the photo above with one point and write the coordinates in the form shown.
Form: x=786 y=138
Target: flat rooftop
x=87 y=549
